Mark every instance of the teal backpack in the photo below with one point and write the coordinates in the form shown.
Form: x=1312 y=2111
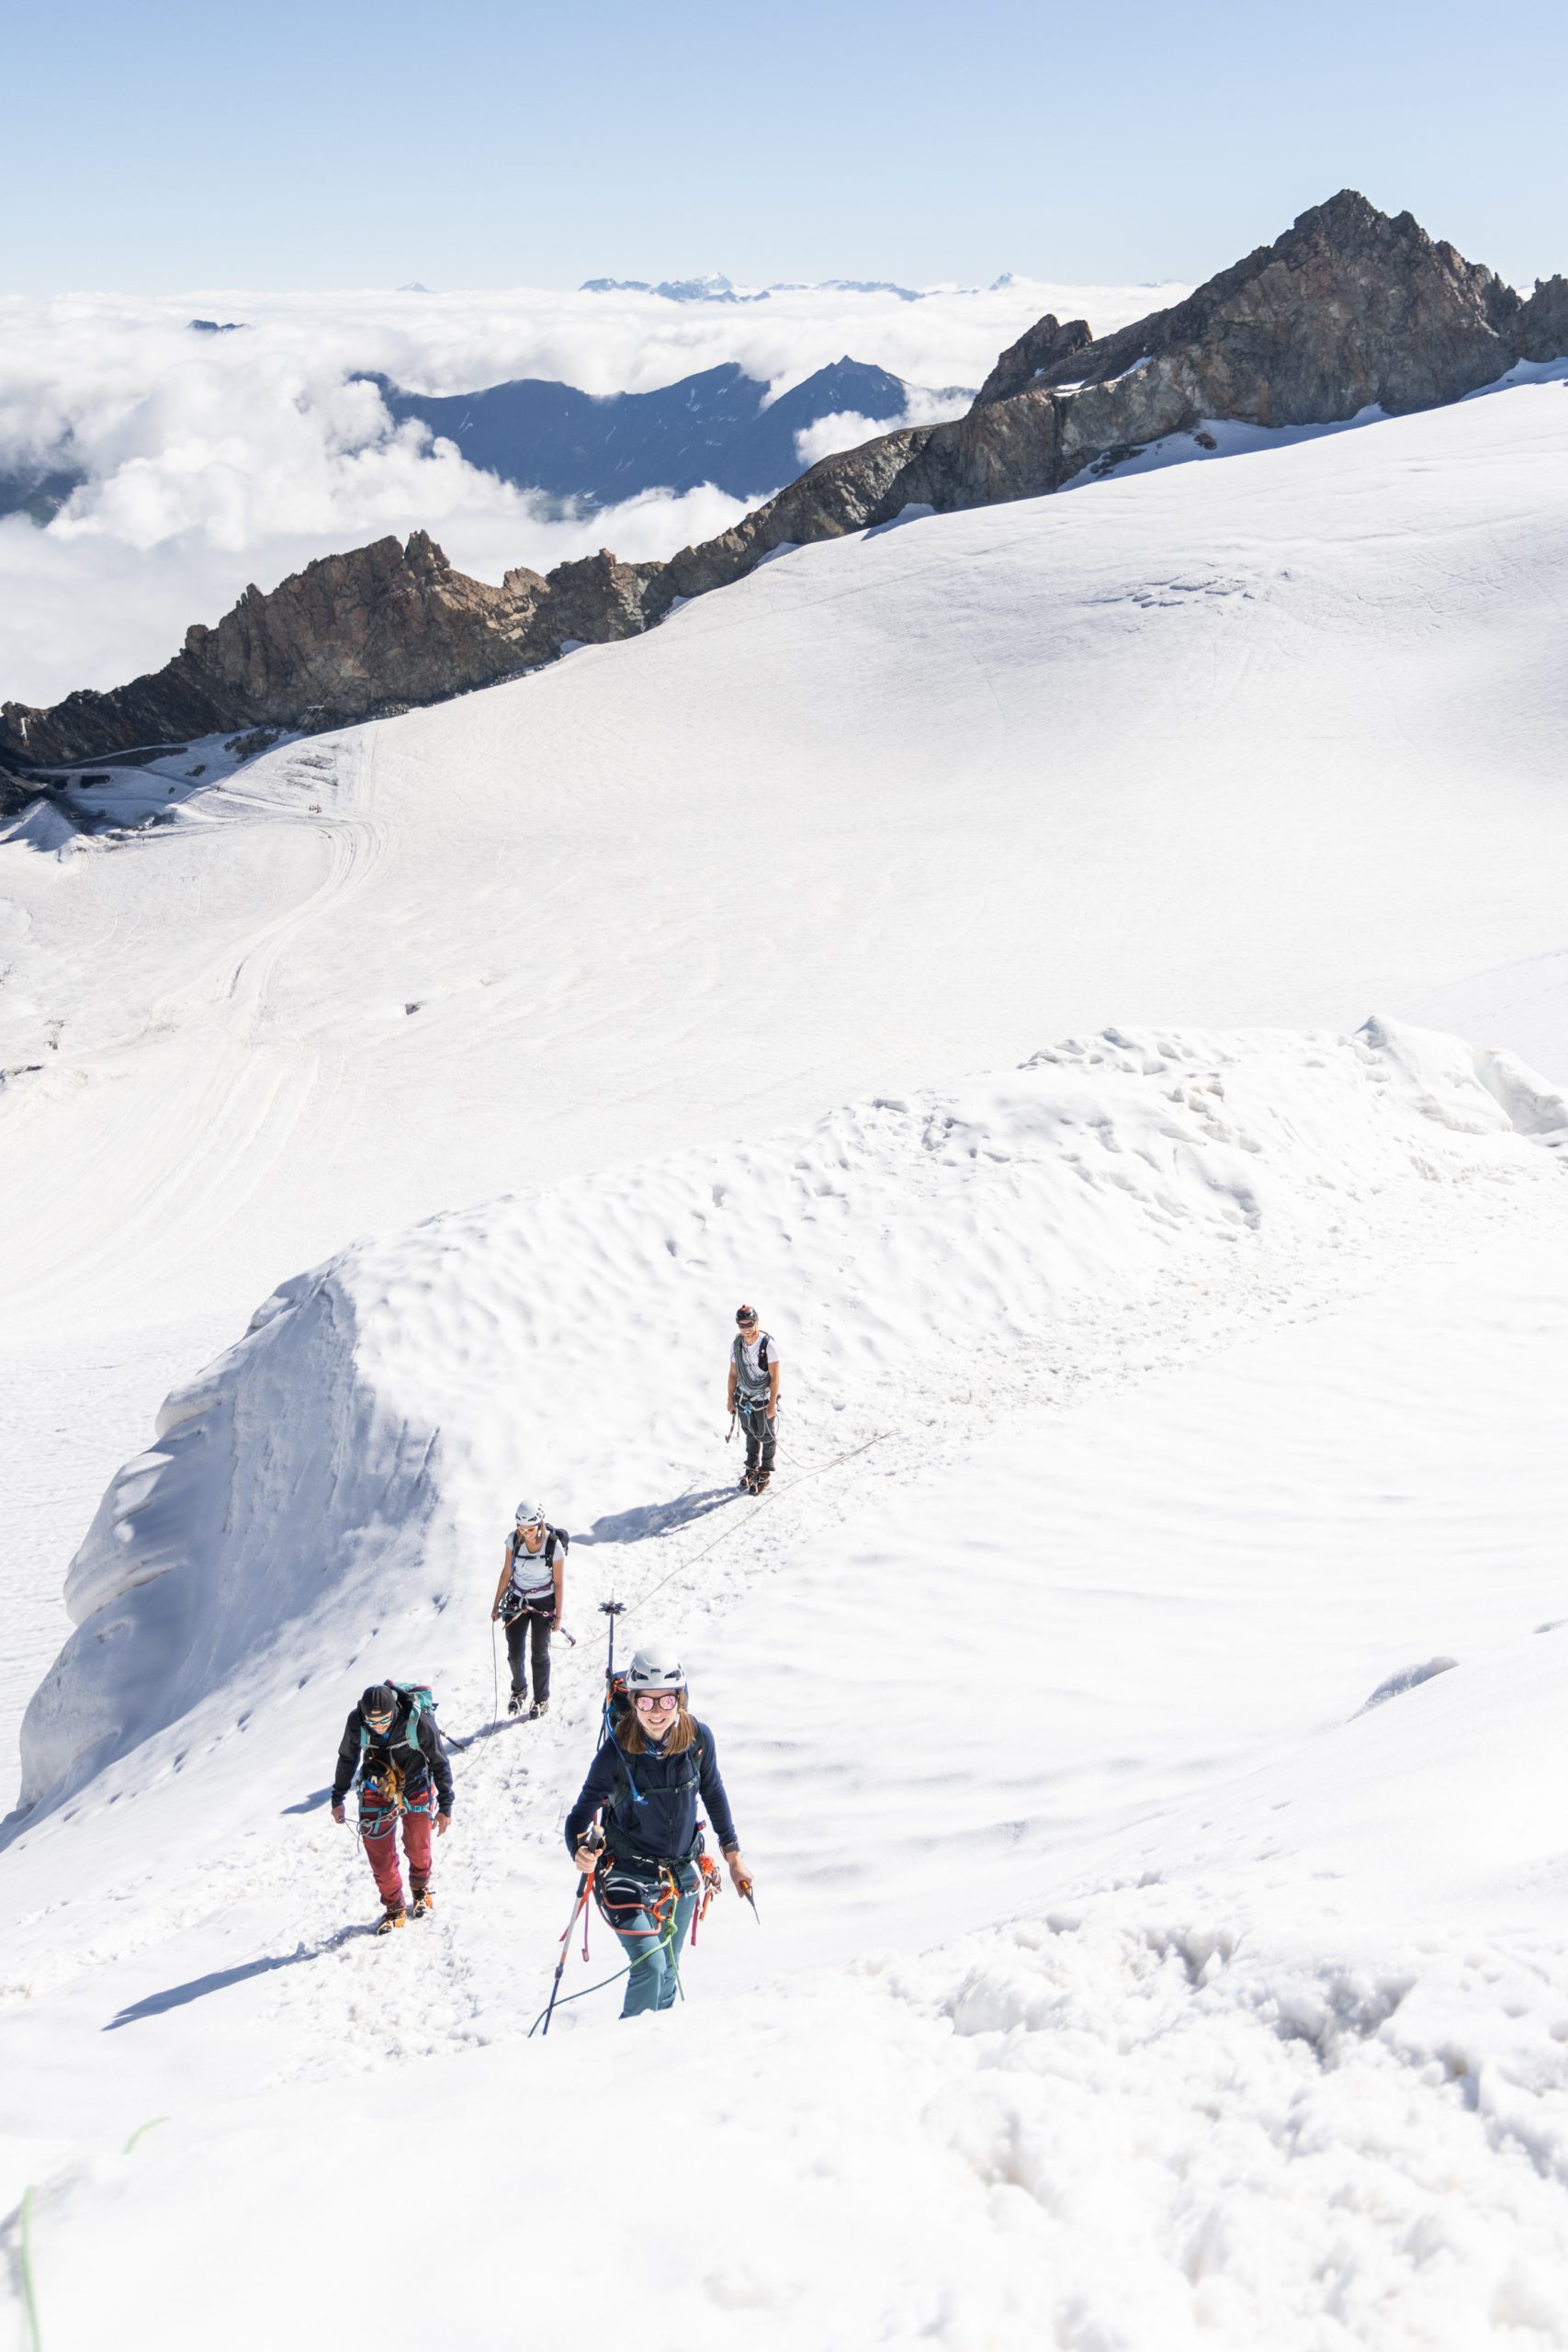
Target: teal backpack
x=421 y=1701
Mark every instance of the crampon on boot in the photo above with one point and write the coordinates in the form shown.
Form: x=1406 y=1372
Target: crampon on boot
x=393 y=1916
x=422 y=1903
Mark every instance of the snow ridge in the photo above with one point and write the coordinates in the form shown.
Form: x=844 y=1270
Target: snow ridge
x=340 y=1455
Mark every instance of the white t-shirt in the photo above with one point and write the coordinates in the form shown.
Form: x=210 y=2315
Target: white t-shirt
x=533 y=1571
x=750 y=1377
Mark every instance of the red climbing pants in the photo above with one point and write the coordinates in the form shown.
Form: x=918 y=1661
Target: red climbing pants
x=382 y=1850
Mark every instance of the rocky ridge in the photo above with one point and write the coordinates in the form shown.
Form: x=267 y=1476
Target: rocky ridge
x=1350 y=310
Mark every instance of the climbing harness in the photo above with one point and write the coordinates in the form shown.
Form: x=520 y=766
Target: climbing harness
x=384 y=1797
x=660 y=1937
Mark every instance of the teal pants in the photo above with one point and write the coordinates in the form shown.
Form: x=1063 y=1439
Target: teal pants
x=655 y=1980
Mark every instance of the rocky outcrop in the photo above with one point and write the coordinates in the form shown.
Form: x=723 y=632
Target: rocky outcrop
x=1349 y=310
x=1544 y=325
x=349 y=638
x=1038 y=351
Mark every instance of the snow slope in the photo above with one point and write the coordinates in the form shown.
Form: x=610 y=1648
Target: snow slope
x=1198 y=2085
x=1270 y=738
x=1153 y=1399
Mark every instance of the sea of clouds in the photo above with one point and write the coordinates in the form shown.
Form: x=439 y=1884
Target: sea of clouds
x=216 y=460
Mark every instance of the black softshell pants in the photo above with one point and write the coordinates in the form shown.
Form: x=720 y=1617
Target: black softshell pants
x=516 y=1634
x=762 y=1434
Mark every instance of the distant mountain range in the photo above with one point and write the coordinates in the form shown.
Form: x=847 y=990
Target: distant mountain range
x=711 y=427
x=596 y=450
x=715 y=288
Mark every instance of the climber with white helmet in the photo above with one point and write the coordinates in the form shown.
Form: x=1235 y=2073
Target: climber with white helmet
x=529 y=1596
x=654 y=1763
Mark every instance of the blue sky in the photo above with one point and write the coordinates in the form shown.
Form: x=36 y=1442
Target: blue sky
x=290 y=144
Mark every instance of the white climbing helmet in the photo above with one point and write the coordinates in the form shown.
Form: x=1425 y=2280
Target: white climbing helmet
x=530 y=1515
x=655 y=1669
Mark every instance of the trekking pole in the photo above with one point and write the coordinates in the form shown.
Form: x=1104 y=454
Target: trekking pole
x=611 y=1609
x=565 y=1948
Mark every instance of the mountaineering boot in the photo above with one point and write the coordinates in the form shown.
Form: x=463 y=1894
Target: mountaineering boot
x=540 y=1707
x=747 y=1482
x=514 y=1703
x=763 y=1477
x=393 y=1916
x=422 y=1905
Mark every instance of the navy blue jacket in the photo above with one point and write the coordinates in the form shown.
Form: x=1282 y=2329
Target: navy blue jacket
x=650 y=1801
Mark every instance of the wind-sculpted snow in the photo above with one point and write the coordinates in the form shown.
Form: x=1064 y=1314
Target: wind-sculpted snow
x=346 y=1447
x=270 y=1483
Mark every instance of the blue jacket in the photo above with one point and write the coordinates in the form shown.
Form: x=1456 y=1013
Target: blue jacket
x=650 y=1801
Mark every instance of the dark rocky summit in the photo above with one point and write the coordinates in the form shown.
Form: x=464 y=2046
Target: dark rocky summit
x=1349 y=310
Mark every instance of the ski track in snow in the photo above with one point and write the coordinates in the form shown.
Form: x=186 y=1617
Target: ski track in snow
x=236 y=1097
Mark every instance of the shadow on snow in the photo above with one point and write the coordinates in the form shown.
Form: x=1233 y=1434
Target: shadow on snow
x=176 y=1996
x=658 y=1519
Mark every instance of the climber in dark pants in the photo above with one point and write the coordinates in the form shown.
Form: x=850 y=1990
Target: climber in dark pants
x=753 y=1394
x=528 y=1601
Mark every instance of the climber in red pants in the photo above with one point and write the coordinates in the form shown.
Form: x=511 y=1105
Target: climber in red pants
x=391 y=1740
